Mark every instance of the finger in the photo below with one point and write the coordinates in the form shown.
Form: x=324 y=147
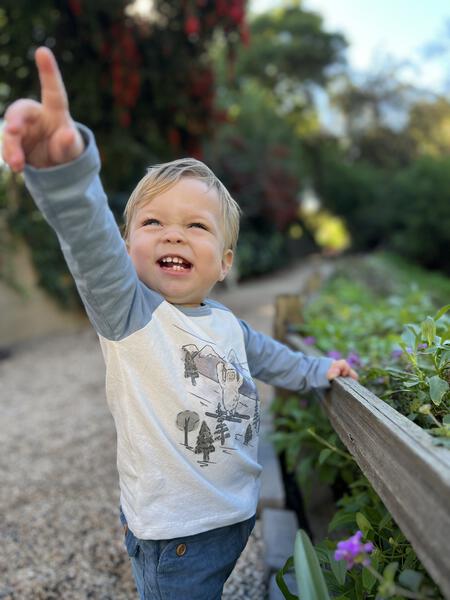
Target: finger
x=53 y=92
x=18 y=119
x=12 y=155
x=354 y=374
x=347 y=371
x=333 y=373
x=21 y=112
x=68 y=144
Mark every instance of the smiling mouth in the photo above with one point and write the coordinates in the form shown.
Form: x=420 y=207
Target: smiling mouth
x=174 y=263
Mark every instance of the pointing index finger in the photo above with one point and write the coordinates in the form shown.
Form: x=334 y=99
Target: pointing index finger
x=53 y=92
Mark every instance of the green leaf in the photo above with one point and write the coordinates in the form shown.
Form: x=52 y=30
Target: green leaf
x=341 y=520
x=415 y=329
x=441 y=442
x=324 y=454
x=411 y=383
x=428 y=328
x=440 y=431
x=310 y=580
x=390 y=571
x=363 y=523
x=438 y=388
x=338 y=568
x=368 y=580
x=411 y=579
x=409 y=338
x=280 y=580
x=441 y=312
x=445 y=358
x=384 y=521
x=446 y=419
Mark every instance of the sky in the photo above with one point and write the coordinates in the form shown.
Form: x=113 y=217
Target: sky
x=377 y=28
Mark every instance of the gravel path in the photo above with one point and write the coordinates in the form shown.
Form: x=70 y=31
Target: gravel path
x=59 y=534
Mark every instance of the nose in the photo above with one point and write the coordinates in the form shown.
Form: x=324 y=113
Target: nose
x=173 y=235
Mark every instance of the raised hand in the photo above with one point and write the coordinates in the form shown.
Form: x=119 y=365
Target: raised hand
x=42 y=134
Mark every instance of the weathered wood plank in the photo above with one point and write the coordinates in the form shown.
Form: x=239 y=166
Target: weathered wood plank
x=409 y=473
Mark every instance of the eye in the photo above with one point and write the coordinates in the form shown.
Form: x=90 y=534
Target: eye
x=151 y=222
x=199 y=225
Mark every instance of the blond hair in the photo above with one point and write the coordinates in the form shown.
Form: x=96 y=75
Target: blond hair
x=160 y=178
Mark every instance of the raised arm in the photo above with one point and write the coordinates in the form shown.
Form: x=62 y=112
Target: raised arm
x=42 y=134
x=61 y=165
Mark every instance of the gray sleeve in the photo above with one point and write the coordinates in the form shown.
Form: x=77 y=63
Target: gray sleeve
x=274 y=363
x=72 y=200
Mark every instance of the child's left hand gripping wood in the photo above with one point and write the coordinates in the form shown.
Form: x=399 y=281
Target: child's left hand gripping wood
x=341 y=368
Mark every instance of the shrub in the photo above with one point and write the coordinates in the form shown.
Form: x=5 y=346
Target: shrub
x=421 y=225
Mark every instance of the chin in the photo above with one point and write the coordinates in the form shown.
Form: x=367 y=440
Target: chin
x=182 y=300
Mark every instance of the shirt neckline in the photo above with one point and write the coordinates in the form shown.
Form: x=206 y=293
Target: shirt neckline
x=194 y=311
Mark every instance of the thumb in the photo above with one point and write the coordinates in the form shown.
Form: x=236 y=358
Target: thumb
x=66 y=145
x=333 y=372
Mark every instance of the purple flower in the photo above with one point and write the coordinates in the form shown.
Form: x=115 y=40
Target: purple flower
x=423 y=346
x=334 y=354
x=309 y=340
x=354 y=359
x=353 y=551
x=396 y=353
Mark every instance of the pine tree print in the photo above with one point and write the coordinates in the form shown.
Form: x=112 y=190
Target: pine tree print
x=205 y=442
x=190 y=368
x=248 y=435
x=221 y=432
x=256 y=418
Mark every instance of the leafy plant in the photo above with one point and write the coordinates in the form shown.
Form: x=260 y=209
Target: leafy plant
x=418 y=385
x=310 y=445
x=339 y=565
x=400 y=344
x=308 y=573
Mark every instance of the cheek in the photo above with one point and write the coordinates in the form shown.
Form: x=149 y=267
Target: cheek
x=138 y=254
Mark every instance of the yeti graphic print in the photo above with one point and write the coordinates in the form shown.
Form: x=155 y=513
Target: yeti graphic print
x=225 y=410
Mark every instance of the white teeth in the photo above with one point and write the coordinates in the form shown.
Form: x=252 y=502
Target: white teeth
x=175 y=262
x=172 y=259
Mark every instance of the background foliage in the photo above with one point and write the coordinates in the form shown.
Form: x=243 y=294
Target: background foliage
x=204 y=78
x=143 y=82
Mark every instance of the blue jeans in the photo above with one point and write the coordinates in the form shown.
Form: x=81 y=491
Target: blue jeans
x=193 y=567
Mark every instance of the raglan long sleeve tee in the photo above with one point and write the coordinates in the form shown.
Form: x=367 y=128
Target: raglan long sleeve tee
x=179 y=380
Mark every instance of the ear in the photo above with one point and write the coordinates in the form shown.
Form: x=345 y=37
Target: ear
x=227 y=262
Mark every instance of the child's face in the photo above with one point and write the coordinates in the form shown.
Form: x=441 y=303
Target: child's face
x=176 y=243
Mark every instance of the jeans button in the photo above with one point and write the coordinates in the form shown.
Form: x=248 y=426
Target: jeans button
x=181 y=549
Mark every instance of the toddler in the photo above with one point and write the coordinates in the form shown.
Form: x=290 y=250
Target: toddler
x=179 y=366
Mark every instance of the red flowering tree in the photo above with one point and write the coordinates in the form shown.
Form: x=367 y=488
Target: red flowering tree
x=142 y=80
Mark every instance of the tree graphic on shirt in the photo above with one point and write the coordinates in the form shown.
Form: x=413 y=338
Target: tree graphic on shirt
x=248 y=435
x=190 y=368
x=256 y=419
x=187 y=420
x=221 y=431
x=205 y=442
